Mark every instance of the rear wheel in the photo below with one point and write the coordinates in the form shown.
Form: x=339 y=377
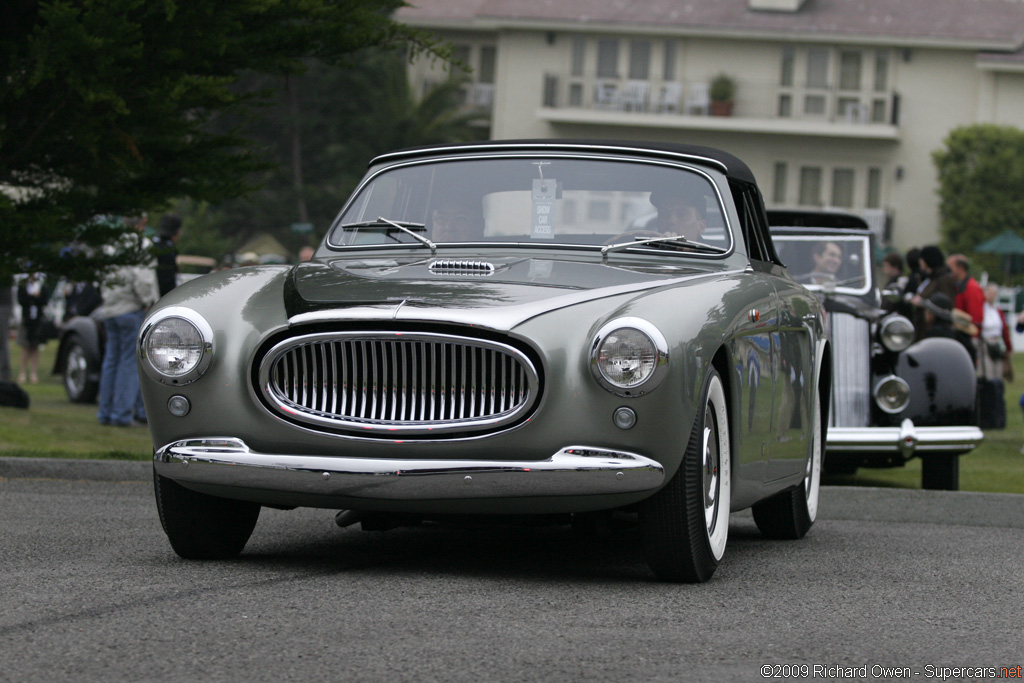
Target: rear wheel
x=940 y=471
x=81 y=372
x=202 y=527
x=790 y=514
x=686 y=524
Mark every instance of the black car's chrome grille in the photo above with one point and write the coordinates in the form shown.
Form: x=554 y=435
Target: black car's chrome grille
x=851 y=348
x=395 y=382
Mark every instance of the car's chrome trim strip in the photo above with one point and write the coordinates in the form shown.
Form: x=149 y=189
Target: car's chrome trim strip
x=907 y=439
x=572 y=471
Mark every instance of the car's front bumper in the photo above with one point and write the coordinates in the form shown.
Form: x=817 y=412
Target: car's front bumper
x=229 y=464
x=906 y=441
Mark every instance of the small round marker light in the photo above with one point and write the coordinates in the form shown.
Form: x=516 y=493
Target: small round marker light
x=624 y=418
x=178 y=406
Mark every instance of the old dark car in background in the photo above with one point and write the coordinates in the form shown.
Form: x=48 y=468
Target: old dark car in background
x=477 y=335
x=80 y=338
x=892 y=399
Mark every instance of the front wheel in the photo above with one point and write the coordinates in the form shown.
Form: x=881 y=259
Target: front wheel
x=686 y=524
x=790 y=514
x=202 y=527
x=941 y=472
x=81 y=372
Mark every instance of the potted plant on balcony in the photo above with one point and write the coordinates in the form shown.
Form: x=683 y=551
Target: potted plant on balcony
x=722 y=92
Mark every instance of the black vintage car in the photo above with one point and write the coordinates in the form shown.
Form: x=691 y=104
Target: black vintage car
x=892 y=399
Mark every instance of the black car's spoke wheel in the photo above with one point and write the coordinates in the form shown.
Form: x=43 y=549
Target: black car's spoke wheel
x=791 y=513
x=202 y=527
x=685 y=525
x=80 y=374
x=940 y=471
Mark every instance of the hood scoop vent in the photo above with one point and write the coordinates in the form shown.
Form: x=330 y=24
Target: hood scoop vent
x=460 y=267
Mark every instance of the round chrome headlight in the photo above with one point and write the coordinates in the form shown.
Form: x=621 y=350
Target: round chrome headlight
x=896 y=332
x=892 y=394
x=176 y=346
x=629 y=357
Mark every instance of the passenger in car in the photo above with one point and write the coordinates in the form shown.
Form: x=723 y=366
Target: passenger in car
x=456 y=219
x=828 y=259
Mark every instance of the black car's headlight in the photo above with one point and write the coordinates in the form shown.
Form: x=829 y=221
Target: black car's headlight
x=896 y=332
x=892 y=394
x=629 y=357
x=176 y=346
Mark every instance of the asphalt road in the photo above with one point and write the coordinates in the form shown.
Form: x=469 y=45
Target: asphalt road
x=886 y=579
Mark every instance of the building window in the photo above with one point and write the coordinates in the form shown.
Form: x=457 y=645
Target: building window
x=849 y=70
x=639 y=60
x=881 y=70
x=785 y=106
x=810 y=186
x=579 y=55
x=814 y=105
x=842 y=187
x=788 y=66
x=817 y=68
x=487 y=59
x=874 y=197
x=668 y=72
x=779 y=182
x=878 y=111
x=460 y=53
x=607 y=58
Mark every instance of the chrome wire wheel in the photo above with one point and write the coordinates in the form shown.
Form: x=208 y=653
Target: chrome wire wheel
x=77 y=371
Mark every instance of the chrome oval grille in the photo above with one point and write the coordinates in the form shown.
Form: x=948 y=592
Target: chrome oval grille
x=398 y=382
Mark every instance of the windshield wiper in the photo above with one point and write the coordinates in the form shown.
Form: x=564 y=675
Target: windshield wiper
x=673 y=242
x=407 y=227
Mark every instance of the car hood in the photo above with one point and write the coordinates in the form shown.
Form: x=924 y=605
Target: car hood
x=468 y=290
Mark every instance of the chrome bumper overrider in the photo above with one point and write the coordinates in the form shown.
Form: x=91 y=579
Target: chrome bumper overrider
x=906 y=439
x=572 y=471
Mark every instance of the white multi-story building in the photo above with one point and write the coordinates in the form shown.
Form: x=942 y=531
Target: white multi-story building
x=838 y=103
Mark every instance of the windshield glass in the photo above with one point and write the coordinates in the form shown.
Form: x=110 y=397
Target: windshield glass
x=537 y=201
x=830 y=262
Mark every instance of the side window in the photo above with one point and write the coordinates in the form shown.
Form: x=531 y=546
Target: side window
x=752 y=223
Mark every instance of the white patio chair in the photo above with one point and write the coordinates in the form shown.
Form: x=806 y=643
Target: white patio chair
x=698 y=99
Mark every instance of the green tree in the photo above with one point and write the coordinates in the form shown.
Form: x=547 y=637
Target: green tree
x=107 y=106
x=321 y=130
x=981 y=175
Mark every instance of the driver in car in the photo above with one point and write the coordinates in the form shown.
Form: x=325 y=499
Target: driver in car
x=679 y=215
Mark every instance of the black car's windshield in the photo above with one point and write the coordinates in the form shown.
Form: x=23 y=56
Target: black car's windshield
x=541 y=201
x=832 y=262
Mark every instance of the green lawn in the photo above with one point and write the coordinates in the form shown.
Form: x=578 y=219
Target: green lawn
x=55 y=428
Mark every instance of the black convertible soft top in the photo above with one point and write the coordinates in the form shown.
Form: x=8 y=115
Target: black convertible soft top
x=729 y=164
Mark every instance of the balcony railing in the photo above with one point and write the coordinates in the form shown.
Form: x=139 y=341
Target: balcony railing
x=752 y=100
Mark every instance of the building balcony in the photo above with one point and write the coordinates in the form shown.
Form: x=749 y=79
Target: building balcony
x=757 y=108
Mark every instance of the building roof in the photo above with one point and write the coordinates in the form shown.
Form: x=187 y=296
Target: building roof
x=982 y=24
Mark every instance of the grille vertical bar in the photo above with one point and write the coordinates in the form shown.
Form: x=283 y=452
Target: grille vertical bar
x=410 y=382
x=851 y=341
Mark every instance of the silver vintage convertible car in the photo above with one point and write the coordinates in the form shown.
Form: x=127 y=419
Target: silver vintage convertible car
x=553 y=328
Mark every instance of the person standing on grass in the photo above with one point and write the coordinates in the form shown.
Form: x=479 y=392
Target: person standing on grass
x=33 y=296
x=127 y=293
x=6 y=309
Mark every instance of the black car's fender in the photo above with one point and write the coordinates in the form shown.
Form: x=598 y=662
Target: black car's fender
x=941 y=377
